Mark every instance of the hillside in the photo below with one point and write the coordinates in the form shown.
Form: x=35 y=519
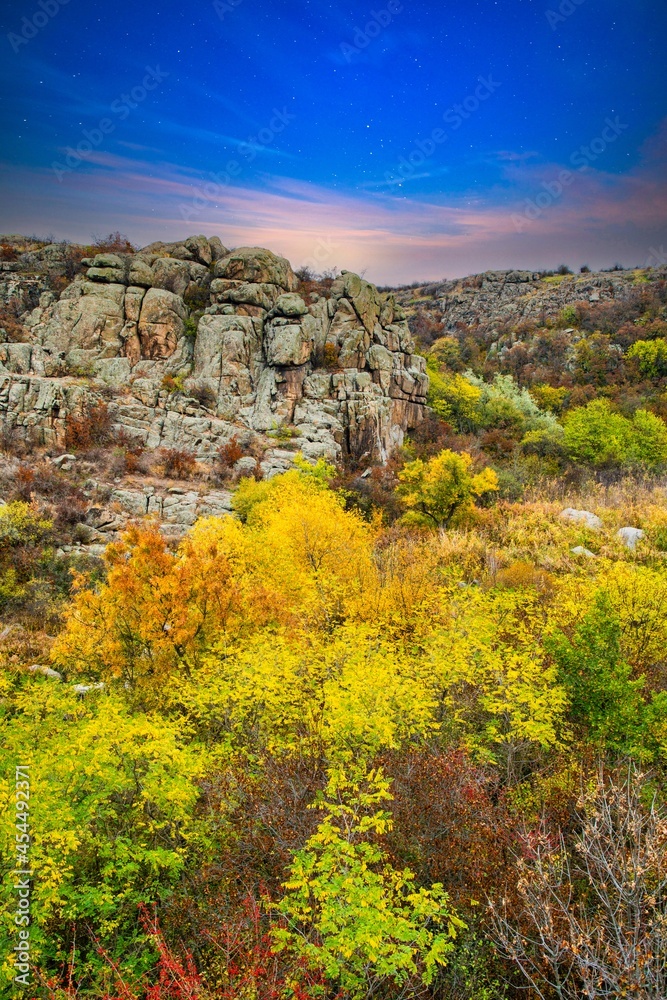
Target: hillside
x=332 y=630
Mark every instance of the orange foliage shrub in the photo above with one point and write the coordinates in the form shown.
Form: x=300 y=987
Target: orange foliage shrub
x=91 y=429
x=230 y=453
x=177 y=463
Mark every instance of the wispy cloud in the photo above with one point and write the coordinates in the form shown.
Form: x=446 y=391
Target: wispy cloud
x=397 y=239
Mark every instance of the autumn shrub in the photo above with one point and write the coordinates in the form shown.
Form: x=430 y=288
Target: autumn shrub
x=520 y=575
x=93 y=427
x=197 y=297
x=8 y=252
x=598 y=435
x=133 y=815
x=41 y=479
x=426 y=327
x=21 y=524
x=350 y=914
x=230 y=452
x=177 y=463
x=9 y=322
x=328 y=357
x=449 y=819
x=594 y=904
x=651 y=357
x=204 y=394
x=437 y=490
x=174 y=383
x=113 y=243
x=453 y=398
x=447 y=351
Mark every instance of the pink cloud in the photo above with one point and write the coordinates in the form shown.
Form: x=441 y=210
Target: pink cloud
x=598 y=218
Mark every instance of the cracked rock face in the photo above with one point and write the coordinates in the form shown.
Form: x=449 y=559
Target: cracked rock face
x=195 y=344
x=494 y=298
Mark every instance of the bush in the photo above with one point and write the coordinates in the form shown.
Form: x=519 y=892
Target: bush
x=230 y=453
x=436 y=490
x=447 y=352
x=651 y=357
x=21 y=524
x=190 y=329
x=91 y=429
x=177 y=464
x=127 y=456
x=453 y=398
x=113 y=243
x=568 y=317
x=597 y=435
x=426 y=327
x=328 y=358
x=364 y=924
x=8 y=252
x=204 y=395
x=174 y=383
x=549 y=397
x=196 y=297
x=9 y=322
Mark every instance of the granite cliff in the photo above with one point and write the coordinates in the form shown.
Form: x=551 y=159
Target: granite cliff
x=190 y=344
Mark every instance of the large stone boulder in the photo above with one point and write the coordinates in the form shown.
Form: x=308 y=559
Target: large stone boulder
x=364 y=297
x=161 y=323
x=254 y=264
x=288 y=342
x=88 y=318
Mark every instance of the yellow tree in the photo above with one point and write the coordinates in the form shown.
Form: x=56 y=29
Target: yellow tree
x=436 y=490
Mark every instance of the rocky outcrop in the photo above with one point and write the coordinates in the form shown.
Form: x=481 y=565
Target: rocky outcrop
x=190 y=344
x=496 y=299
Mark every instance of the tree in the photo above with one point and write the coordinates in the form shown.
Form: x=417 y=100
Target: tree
x=649 y=442
x=112 y=819
x=651 y=357
x=595 y=434
x=443 y=486
x=598 y=435
x=594 y=916
x=352 y=915
x=453 y=397
x=603 y=697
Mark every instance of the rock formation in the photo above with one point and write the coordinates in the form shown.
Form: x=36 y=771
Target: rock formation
x=496 y=299
x=190 y=344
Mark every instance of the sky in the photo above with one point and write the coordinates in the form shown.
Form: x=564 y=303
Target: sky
x=407 y=140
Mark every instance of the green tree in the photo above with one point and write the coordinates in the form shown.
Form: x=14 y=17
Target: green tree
x=436 y=490
x=649 y=440
x=604 y=699
x=597 y=435
x=348 y=912
x=453 y=397
x=651 y=357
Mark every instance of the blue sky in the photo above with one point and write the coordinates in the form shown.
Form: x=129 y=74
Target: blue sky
x=410 y=140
